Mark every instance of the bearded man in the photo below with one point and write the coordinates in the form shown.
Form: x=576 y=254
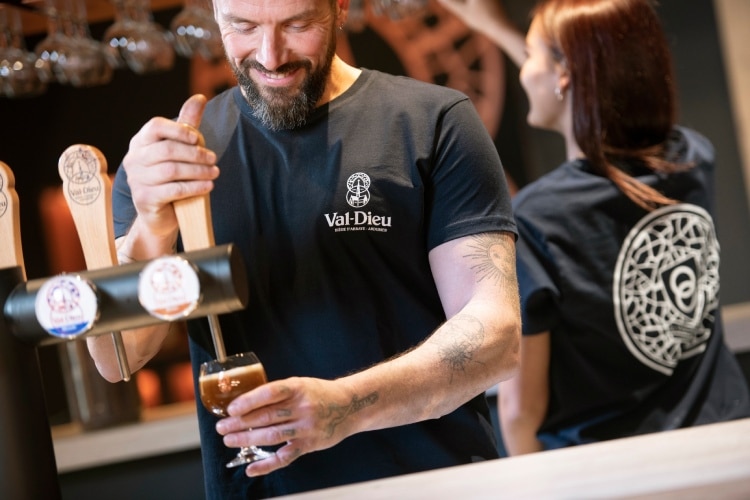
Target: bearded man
x=374 y=218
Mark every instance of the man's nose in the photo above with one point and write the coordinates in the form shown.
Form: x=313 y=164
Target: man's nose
x=271 y=51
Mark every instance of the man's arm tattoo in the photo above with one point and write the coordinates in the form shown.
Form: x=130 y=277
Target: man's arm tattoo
x=463 y=336
x=494 y=257
x=336 y=414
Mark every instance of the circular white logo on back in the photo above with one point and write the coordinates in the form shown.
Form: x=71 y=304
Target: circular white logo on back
x=666 y=286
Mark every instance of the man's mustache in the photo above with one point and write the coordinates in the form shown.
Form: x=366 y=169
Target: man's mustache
x=284 y=68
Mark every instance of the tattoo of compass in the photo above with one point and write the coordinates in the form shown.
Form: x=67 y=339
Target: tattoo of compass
x=465 y=335
x=337 y=413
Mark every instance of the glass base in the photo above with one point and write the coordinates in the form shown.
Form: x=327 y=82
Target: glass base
x=248 y=456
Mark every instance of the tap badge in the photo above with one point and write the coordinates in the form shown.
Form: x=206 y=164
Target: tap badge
x=168 y=288
x=83 y=185
x=66 y=306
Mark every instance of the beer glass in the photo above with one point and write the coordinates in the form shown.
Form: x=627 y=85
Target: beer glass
x=220 y=381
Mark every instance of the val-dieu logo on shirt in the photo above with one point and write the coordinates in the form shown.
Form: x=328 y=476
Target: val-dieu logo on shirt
x=358 y=196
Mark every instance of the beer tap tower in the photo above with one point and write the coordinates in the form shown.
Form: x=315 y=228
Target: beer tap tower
x=27 y=462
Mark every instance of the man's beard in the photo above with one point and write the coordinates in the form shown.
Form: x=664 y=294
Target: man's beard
x=276 y=108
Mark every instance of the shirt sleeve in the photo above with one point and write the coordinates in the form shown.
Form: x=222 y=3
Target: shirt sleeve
x=470 y=193
x=539 y=292
x=123 y=210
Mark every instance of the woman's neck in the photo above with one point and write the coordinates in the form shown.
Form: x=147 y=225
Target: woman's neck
x=572 y=151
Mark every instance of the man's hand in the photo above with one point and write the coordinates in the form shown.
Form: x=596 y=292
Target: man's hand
x=166 y=162
x=305 y=413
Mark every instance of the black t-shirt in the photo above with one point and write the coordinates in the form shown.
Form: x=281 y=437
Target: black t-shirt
x=631 y=300
x=335 y=221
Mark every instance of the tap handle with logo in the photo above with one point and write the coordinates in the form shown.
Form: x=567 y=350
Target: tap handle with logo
x=11 y=254
x=88 y=191
x=194 y=214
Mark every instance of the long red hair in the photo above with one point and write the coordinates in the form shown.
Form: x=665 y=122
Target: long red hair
x=623 y=90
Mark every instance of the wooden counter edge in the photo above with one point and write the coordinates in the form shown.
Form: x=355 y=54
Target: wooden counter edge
x=672 y=464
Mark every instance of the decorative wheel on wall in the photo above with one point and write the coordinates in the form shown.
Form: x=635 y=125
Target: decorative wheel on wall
x=434 y=46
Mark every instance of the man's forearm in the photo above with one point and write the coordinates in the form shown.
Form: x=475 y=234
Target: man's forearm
x=139 y=244
x=464 y=357
x=141 y=344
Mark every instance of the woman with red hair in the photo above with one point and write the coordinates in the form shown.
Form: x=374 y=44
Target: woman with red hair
x=618 y=259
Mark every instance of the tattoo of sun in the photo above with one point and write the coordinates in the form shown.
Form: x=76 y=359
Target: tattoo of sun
x=465 y=335
x=493 y=256
x=336 y=414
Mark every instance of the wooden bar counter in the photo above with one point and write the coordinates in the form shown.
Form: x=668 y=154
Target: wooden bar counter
x=711 y=461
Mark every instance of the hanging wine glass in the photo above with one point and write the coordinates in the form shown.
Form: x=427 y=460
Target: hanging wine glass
x=120 y=35
x=55 y=49
x=89 y=64
x=136 y=41
x=20 y=75
x=154 y=50
x=196 y=33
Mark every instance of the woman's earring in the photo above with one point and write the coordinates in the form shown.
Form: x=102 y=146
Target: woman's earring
x=559 y=94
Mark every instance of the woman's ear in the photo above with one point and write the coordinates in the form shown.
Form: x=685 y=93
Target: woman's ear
x=563 y=77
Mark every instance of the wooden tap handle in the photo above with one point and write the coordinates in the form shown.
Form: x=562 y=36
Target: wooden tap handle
x=194 y=214
x=194 y=219
x=196 y=231
x=88 y=191
x=11 y=254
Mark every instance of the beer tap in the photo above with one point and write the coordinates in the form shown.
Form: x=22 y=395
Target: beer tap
x=26 y=445
x=88 y=192
x=26 y=451
x=197 y=232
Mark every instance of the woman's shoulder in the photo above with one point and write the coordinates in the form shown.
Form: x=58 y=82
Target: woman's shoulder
x=686 y=145
x=559 y=190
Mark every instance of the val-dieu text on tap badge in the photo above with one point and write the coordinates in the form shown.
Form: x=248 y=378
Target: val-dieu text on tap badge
x=66 y=306
x=80 y=168
x=169 y=288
